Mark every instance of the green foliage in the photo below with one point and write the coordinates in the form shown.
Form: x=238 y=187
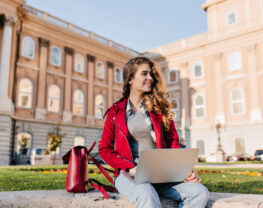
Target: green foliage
x=55 y=138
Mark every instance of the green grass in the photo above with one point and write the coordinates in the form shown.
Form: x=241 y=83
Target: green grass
x=20 y=178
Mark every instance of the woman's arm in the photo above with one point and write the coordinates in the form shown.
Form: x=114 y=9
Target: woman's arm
x=106 y=148
x=171 y=137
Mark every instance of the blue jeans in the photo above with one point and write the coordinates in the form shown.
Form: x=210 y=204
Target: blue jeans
x=146 y=195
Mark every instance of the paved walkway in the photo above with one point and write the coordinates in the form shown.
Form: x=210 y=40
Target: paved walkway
x=94 y=199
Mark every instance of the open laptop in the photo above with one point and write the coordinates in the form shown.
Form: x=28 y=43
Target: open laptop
x=165 y=165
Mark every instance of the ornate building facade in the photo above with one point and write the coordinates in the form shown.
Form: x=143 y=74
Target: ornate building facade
x=53 y=72
x=215 y=79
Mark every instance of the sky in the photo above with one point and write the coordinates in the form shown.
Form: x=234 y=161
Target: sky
x=137 y=24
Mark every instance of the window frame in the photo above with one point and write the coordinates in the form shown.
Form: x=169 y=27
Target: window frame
x=33 y=49
x=48 y=96
x=176 y=118
x=240 y=59
x=242 y=99
x=104 y=69
x=74 y=102
x=76 y=63
x=202 y=70
x=195 y=107
x=103 y=107
x=227 y=16
x=19 y=91
x=169 y=75
x=60 y=56
x=115 y=74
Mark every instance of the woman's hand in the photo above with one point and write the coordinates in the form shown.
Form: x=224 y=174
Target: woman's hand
x=132 y=171
x=193 y=177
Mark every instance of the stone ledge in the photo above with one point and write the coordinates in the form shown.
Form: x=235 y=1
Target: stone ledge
x=94 y=199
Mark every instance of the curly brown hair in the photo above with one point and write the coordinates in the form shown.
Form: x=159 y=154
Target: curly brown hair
x=155 y=101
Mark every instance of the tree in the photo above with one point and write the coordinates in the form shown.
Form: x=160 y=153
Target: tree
x=55 y=139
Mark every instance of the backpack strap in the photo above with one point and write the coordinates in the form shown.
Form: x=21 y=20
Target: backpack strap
x=105 y=173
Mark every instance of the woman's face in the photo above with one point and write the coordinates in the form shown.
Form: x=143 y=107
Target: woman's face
x=142 y=81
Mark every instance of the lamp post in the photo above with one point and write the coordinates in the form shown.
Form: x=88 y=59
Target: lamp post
x=220 y=154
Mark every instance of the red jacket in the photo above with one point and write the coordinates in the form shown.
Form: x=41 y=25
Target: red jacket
x=114 y=145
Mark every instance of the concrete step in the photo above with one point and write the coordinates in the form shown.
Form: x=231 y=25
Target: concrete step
x=94 y=199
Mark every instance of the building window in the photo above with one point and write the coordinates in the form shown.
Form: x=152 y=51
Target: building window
x=23 y=143
x=25 y=93
x=231 y=18
x=175 y=108
x=100 y=70
x=198 y=71
x=240 y=146
x=79 y=63
x=79 y=141
x=117 y=75
x=237 y=101
x=172 y=76
x=200 y=144
x=53 y=99
x=199 y=106
x=99 y=106
x=55 y=56
x=28 y=47
x=78 y=102
x=234 y=61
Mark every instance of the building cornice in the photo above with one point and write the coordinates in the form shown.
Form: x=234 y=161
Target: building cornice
x=210 y=3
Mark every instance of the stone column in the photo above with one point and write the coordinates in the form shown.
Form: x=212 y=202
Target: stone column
x=185 y=96
x=6 y=105
x=220 y=115
x=41 y=93
x=255 y=111
x=67 y=114
x=91 y=66
x=110 y=82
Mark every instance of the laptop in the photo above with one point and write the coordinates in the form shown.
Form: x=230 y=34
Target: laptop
x=165 y=165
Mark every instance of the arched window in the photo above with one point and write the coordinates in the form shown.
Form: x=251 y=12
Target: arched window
x=172 y=76
x=200 y=144
x=23 y=143
x=78 y=102
x=99 y=106
x=117 y=75
x=25 y=93
x=100 y=70
x=55 y=56
x=237 y=101
x=79 y=63
x=53 y=99
x=240 y=145
x=199 y=106
x=28 y=47
x=234 y=61
x=175 y=108
x=79 y=141
x=198 y=70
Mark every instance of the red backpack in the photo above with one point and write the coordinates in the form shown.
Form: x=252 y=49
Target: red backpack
x=77 y=175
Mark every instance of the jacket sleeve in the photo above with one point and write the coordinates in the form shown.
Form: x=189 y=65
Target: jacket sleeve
x=171 y=136
x=106 y=147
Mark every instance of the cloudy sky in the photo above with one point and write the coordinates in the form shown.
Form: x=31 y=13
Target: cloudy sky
x=138 y=24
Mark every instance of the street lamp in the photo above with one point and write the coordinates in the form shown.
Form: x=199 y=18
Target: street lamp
x=220 y=154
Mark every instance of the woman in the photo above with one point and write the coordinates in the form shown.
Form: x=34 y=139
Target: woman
x=142 y=120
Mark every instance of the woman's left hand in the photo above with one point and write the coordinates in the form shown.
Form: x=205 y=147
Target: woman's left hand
x=193 y=177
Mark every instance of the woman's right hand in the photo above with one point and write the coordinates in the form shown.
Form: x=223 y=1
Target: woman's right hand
x=132 y=171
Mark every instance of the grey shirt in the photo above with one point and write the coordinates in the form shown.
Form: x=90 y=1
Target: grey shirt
x=140 y=136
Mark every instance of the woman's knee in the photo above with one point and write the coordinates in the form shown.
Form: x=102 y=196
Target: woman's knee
x=200 y=191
